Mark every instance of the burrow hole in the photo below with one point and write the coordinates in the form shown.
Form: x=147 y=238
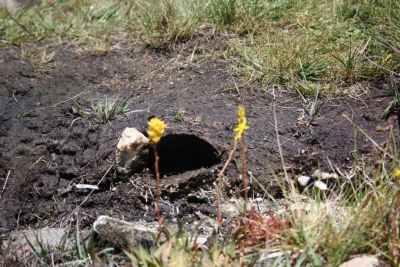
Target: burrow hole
x=183 y=152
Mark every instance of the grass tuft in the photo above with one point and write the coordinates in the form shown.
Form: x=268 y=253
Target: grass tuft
x=163 y=23
x=109 y=109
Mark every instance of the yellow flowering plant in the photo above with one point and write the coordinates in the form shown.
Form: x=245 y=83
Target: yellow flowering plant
x=242 y=124
x=155 y=130
x=239 y=132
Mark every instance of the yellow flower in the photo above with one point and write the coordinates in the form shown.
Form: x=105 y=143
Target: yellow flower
x=396 y=173
x=242 y=124
x=386 y=59
x=155 y=130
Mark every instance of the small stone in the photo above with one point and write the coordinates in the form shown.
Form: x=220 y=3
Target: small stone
x=325 y=175
x=362 y=261
x=303 y=180
x=321 y=185
x=131 y=152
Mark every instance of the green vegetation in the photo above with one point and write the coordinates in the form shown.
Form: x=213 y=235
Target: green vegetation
x=306 y=45
x=60 y=21
x=108 y=109
x=179 y=114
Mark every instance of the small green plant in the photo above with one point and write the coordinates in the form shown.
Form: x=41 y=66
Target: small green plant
x=350 y=62
x=311 y=70
x=179 y=115
x=109 y=109
x=315 y=108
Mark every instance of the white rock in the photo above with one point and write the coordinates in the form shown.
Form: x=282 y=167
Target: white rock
x=362 y=261
x=321 y=185
x=303 y=180
x=130 y=150
x=325 y=175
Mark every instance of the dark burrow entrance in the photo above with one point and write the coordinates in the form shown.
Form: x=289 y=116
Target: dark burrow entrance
x=184 y=152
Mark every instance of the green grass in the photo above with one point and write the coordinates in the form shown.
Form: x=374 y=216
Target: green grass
x=108 y=109
x=162 y=23
x=305 y=45
x=61 y=21
x=308 y=45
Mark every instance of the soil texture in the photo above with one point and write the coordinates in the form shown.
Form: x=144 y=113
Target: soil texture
x=51 y=138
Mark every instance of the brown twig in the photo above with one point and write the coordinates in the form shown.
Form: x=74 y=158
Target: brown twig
x=394 y=239
x=245 y=186
x=158 y=189
x=220 y=184
x=278 y=141
x=245 y=178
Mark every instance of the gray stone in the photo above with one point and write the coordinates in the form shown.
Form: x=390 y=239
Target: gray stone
x=23 y=245
x=362 y=261
x=123 y=233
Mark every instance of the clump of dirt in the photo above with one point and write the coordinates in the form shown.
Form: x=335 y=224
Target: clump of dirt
x=50 y=138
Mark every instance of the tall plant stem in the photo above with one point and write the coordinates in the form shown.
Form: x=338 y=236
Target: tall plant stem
x=220 y=183
x=245 y=178
x=158 y=189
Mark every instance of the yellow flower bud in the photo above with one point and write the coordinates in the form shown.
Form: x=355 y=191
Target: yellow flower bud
x=396 y=173
x=242 y=124
x=155 y=130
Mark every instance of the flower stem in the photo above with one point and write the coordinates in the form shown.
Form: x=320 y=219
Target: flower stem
x=245 y=178
x=220 y=183
x=158 y=189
